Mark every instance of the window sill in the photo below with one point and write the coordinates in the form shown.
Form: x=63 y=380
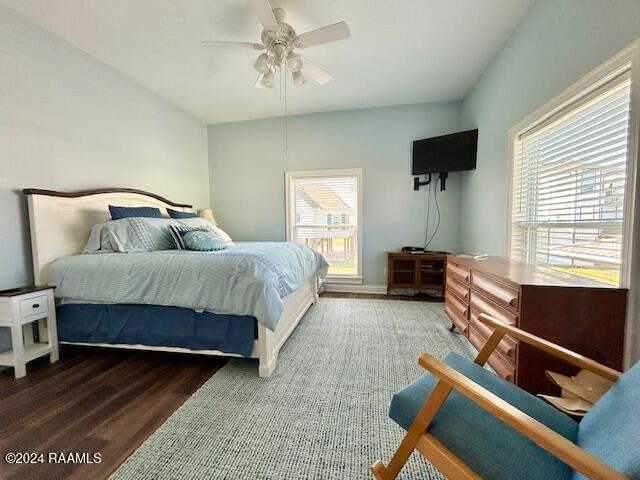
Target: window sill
x=355 y=280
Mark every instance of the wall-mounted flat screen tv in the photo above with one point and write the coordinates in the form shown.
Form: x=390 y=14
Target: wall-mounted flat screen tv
x=448 y=153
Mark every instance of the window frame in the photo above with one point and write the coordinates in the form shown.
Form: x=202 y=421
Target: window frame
x=626 y=60
x=290 y=214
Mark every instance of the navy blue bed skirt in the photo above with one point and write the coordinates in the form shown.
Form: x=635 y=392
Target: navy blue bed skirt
x=155 y=325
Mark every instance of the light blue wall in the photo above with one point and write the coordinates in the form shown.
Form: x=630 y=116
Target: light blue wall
x=247 y=167
x=557 y=43
x=68 y=122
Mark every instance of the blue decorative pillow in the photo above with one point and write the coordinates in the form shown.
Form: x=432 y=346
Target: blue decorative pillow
x=179 y=214
x=203 y=241
x=127 y=212
x=177 y=233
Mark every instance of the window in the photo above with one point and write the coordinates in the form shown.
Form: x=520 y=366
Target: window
x=333 y=219
x=326 y=206
x=569 y=184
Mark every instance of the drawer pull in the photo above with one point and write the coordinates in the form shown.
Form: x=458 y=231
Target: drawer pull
x=35 y=305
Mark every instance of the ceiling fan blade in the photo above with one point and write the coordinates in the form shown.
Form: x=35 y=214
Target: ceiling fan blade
x=314 y=72
x=330 y=33
x=265 y=13
x=234 y=45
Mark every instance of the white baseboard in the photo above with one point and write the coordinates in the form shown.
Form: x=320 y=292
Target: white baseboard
x=340 y=287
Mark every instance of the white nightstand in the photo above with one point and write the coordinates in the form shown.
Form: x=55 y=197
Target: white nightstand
x=19 y=308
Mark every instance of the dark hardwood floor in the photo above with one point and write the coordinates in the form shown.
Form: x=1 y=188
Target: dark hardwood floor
x=97 y=400
x=93 y=400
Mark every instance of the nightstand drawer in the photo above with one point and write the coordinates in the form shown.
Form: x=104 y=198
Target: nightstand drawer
x=34 y=306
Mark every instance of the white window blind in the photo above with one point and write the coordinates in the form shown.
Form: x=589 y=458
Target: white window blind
x=323 y=214
x=569 y=184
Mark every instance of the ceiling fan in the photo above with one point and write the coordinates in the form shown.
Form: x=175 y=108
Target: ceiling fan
x=279 y=40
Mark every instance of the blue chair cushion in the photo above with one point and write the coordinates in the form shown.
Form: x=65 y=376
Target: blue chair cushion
x=489 y=446
x=611 y=429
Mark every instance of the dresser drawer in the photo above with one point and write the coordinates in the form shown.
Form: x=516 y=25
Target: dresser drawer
x=458 y=271
x=507 y=346
x=34 y=306
x=498 y=362
x=460 y=307
x=483 y=305
x=502 y=367
x=462 y=323
x=499 y=292
x=460 y=289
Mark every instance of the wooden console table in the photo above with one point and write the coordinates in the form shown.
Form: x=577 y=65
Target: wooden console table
x=416 y=271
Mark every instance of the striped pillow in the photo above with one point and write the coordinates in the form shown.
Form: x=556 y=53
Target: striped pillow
x=177 y=232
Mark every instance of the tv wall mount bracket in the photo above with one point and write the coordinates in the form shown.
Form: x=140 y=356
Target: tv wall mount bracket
x=443 y=181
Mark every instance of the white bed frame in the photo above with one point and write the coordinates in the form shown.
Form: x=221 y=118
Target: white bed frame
x=60 y=224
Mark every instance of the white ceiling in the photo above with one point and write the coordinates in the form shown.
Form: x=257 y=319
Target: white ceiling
x=400 y=51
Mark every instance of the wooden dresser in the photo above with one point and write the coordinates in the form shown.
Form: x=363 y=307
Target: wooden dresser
x=579 y=314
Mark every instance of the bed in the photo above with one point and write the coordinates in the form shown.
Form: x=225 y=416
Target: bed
x=132 y=301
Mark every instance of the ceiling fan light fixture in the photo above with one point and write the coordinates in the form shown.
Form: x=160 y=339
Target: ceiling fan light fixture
x=267 y=80
x=294 y=62
x=280 y=54
x=277 y=43
x=262 y=64
x=298 y=79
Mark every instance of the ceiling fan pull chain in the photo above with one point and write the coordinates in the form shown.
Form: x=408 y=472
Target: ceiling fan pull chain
x=283 y=74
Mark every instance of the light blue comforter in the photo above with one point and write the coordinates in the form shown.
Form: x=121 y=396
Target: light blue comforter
x=244 y=279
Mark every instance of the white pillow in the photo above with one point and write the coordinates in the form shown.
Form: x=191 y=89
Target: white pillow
x=132 y=234
x=99 y=240
x=198 y=222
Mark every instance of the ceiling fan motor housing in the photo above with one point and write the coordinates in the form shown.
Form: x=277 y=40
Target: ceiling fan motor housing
x=279 y=43
x=284 y=36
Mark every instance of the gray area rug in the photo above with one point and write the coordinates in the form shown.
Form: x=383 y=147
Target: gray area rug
x=323 y=413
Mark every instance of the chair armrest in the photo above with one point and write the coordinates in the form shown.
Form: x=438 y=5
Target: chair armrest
x=554 y=443
x=551 y=348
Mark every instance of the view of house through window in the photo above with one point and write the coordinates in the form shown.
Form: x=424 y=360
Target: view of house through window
x=569 y=186
x=323 y=214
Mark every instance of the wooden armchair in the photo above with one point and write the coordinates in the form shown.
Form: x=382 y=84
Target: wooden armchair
x=471 y=424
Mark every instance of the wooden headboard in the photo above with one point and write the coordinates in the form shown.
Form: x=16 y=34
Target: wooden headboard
x=60 y=222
